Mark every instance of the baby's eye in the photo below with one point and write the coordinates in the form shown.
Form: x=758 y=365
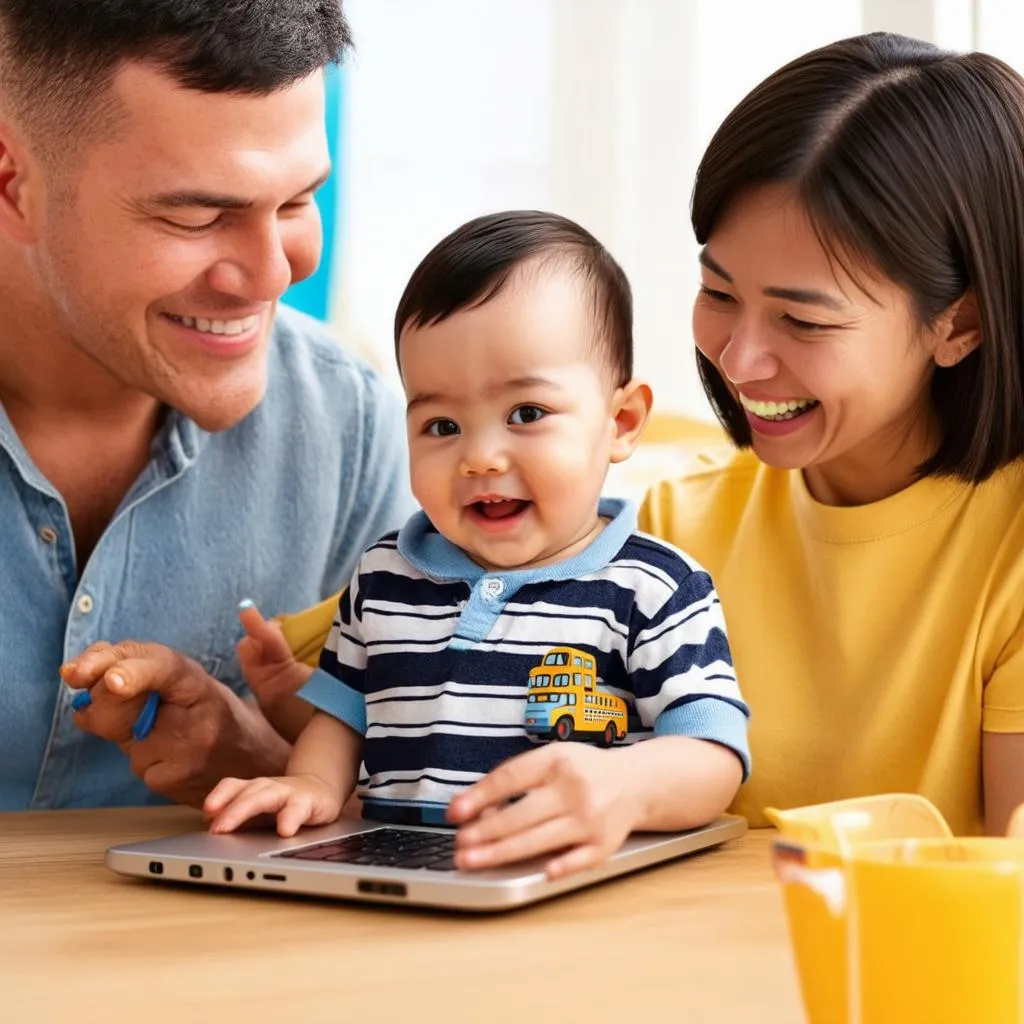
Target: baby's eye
x=442 y=428
x=524 y=414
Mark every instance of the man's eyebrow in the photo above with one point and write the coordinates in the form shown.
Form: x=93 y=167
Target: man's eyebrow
x=805 y=296
x=217 y=200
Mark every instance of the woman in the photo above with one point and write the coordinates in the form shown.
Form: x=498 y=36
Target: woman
x=860 y=334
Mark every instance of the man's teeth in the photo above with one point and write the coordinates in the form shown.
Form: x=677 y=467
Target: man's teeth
x=777 y=410
x=229 y=327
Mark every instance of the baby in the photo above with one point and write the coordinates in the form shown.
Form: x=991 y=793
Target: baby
x=518 y=609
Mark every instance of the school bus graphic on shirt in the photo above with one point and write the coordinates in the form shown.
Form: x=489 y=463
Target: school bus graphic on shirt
x=563 y=701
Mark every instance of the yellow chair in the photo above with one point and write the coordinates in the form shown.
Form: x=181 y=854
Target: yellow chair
x=675 y=428
x=306 y=631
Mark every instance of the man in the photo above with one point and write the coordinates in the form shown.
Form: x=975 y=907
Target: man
x=170 y=440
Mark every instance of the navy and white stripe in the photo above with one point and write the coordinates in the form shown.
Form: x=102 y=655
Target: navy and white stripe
x=429 y=656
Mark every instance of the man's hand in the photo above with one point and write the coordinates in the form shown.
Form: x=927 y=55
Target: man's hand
x=574 y=799
x=203 y=732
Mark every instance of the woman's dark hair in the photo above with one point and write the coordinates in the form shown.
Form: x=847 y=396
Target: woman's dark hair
x=909 y=160
x=475 y=262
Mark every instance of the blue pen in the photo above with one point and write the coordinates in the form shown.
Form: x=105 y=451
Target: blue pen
x=82 y=699
x=147 y=718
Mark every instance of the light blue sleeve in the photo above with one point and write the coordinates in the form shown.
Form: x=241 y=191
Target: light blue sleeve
x=337 y=699
x=708 y=718
x=337 y=686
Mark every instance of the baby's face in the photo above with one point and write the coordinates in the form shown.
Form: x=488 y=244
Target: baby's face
x=511 y=423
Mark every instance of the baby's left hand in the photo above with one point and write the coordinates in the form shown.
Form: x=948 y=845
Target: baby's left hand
x=574 y=798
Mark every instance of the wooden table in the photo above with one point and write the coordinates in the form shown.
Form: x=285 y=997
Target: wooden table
x=699 y=940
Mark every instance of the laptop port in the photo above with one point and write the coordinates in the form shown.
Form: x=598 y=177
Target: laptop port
x=381 y=888
x=156 y=867
x=195 y=870
x=229 y=874
x=274 y=878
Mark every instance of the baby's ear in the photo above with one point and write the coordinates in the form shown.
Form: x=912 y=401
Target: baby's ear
x=631 y=405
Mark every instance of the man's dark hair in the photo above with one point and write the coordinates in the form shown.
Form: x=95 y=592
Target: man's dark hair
x=57 y=57
x=909 y=161
x=476 y=262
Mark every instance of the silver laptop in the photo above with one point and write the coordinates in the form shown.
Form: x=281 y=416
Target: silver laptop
x=400 y=864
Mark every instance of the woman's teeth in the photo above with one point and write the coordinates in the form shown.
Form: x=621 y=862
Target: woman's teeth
x=229 y=327
x=777 y=410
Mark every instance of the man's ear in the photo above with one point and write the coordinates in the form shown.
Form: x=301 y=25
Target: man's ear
x=20 y=180
x=631 y=406
x=958 y=331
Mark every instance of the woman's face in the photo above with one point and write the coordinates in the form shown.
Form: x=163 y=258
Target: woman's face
x=832 y=380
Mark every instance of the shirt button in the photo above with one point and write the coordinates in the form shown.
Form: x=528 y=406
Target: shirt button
x=493 y=587
x=85 y=604
x=48 y=535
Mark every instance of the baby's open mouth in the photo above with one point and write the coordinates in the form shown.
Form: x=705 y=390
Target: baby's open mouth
x=502 y=508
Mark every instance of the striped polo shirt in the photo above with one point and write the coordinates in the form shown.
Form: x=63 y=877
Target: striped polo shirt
x=430 y=657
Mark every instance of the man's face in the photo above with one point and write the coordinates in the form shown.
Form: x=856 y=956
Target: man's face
x=164 y=251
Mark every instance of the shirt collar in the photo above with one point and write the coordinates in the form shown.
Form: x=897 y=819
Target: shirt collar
x=435 y=556
x=175 y=447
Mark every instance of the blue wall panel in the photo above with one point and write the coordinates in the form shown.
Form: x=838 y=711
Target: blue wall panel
x=313 y=295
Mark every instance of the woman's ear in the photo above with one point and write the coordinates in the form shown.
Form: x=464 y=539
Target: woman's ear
x=958 y=332
x=631 y=406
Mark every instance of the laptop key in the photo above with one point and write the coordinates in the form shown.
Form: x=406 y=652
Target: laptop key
x=441 y=864
x=416 y=862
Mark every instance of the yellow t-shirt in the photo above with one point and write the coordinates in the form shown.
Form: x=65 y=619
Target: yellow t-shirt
x=873 y=644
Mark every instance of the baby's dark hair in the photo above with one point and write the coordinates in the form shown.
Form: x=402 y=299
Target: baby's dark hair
x=476 y=261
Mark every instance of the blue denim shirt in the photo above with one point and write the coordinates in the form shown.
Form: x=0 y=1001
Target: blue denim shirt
x=277 y=508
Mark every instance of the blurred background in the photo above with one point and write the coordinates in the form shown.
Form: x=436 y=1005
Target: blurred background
x=597 y=109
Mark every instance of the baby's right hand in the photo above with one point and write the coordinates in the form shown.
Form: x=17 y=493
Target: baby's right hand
x=266 y=660
x=297 y=800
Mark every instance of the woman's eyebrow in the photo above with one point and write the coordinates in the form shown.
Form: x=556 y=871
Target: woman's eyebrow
x=714 y=267
x=805 y=296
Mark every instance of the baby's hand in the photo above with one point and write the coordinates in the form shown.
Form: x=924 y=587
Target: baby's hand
x=297 y=800
x=574 y=799
x=266 y=660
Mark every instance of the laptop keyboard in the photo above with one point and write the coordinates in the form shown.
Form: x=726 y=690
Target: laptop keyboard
x=384 y=847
